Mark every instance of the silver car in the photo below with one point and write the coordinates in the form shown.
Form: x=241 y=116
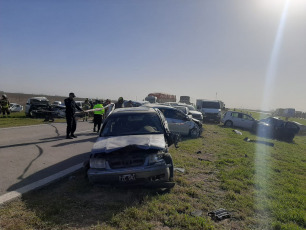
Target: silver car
x=238 y=119
x=132 y=148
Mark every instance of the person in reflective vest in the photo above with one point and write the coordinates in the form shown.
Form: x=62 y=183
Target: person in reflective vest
x=98 y=115
x=5 y=104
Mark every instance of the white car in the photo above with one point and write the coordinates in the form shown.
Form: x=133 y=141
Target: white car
x=238 y=119
x=14 y=107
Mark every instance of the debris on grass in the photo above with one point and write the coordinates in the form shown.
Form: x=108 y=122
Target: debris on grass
x=202 y=159
x=237 y=132
x=260 y=142
x=182 y=170
x=219 y=214
x=198 y=152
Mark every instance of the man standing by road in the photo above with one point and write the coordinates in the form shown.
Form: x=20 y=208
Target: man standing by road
x=119 y=103
x=71 y=106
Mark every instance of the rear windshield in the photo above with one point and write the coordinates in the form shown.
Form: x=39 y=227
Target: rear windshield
x=35 y=101
x=211 y=105
x=132 y=124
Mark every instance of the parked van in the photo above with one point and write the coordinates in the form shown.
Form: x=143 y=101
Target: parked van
x=211 y=109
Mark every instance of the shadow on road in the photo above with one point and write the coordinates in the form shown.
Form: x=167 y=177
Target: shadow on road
x=54 y=168
x=49 y=171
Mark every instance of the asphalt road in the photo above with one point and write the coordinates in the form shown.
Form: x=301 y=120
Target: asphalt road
x=31 y=153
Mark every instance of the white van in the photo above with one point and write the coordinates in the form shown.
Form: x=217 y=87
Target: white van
x=211 y=109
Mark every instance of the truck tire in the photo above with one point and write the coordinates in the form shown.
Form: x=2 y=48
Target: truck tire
x=228 y=124
x=168 y=159
x=194 y=133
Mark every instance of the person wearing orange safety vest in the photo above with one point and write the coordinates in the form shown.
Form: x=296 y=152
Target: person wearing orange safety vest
x=98 y=115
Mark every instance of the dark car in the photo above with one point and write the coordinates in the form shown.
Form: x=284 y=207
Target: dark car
x=37 y=107
x=132 y=148
x=277 y=128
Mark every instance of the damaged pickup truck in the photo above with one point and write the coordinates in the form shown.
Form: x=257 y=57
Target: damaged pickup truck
x=132 y=148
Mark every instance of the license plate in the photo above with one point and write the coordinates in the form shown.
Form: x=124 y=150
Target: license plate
x=127 y=177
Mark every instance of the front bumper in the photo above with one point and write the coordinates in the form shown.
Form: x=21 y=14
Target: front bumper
x=211 y=117
x=143 y=174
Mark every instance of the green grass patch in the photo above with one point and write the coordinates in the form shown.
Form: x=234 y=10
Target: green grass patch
x=19 y=119
x=262 y=187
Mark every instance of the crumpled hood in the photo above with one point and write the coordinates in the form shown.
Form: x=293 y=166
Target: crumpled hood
x=195 y=112
x=110 y=144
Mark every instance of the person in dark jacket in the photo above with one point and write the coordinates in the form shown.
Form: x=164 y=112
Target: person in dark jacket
x=119 y=103
x=71 y=107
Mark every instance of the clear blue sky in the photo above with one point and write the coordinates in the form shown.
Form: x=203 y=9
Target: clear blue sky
x=250 y=54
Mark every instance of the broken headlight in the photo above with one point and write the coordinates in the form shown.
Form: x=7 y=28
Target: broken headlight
x=153 y=158
x=98 y=163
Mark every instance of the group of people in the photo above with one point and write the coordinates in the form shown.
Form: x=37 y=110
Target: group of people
x=5 y=106
x=98 y=109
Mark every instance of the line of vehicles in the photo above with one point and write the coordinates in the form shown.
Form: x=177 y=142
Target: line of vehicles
x=133 y=143
x=270 y=127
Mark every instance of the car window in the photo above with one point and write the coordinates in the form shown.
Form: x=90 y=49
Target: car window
x=133 y=124
x=235 y=115
x=247 y=117
x=211 y=104
x=291 y=125
x=191 y=108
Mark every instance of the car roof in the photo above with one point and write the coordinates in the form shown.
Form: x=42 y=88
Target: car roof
x=40 y=98
x=158 y=106
x=133 y=110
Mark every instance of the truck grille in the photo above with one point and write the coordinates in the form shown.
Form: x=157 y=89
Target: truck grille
x=126 y=161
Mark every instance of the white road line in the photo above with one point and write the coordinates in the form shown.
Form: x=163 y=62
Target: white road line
x=14 y=194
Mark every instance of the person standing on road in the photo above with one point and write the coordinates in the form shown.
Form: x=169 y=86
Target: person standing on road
x=5 y=105
x=71 y=107
x=119 y=103
x=86 y=106
x=98 y=115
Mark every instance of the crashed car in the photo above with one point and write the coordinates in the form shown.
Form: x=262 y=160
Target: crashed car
x=14 y=107
x=179 y=122
x=37 y=107
x=132 y=148
x=190 y=110
x=274 y=127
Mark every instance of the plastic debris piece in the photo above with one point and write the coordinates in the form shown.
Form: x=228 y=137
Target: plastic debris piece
x=198 y=152
x=182 y=170
x=219 y=214
x=238 y=132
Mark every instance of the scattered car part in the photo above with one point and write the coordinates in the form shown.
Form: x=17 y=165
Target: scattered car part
x=237 y=132
x=260 y=142
x=219 y=214
x=182 y=170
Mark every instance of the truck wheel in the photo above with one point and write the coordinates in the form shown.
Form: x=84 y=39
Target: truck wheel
x=228 y=124
x=168 y=159
x=194 y=133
